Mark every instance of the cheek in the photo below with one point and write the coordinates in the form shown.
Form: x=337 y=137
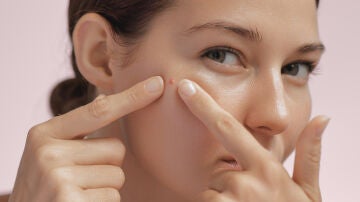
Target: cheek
x=164 y=137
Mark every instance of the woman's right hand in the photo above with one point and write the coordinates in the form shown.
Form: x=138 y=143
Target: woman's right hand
x=58 y=164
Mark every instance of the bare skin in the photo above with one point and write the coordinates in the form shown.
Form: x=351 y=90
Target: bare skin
x=221 y=139
x=261 y=175
x=67 y=179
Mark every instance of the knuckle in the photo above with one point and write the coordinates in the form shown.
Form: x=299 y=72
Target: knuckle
x=112 y=194
x=105 y=194
x=67 y=193
x=116 y=148
x=37 y=129
x=36 y=132
x=99 y=107
x=272 y=167
x=119 y=150
x=314 y=156
x=114 y=142
x=239 y=184
x=59 y=176
x=225 y=122
x=48 y=153
x=116 y=173
x=249 y=186
x=132 y=96
x=122 y=178
x=272 y=171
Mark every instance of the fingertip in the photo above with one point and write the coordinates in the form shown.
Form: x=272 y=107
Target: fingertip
x=324 y=118
x=308 y=155
x=323 y=123
x=154 y=85
x=186 y=88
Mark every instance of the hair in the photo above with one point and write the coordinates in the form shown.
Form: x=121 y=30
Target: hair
x=127 y=18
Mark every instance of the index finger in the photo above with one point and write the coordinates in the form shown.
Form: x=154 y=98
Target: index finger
x=105 y=109
x=232 y=134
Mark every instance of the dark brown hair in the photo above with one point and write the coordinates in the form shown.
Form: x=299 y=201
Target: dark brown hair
x=128 y=18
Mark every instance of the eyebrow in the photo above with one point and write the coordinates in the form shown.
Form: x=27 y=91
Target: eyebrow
x=250 y=34
x=311 y=47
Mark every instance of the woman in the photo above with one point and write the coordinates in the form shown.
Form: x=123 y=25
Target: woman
x=195 y=101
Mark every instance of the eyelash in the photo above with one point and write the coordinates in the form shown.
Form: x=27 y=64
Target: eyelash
x=312 y=65
x=313 y=70
x=238 y=54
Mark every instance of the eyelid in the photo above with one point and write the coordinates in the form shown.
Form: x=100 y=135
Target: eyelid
x=225 y=48
x=311 y=64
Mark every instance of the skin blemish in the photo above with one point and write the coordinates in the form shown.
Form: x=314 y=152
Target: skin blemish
x=171 y=81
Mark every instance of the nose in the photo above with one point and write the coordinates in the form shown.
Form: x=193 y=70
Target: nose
x=267 y=113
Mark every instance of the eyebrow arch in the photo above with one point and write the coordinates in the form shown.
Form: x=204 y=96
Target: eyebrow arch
x=307 y=48
x=251 y=34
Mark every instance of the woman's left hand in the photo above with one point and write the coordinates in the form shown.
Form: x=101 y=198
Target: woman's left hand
x=263 y=177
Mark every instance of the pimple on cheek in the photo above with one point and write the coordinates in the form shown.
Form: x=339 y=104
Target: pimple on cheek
x=172 y=86
x=171 y=81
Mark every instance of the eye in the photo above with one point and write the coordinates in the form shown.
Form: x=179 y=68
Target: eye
x=223 y=55
x=301 y=70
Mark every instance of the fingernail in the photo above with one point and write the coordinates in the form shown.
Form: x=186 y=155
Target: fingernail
x=186 y=88
x=325 y=121
x=154 y=85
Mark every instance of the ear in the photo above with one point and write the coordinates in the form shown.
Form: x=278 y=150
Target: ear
x=93 y=42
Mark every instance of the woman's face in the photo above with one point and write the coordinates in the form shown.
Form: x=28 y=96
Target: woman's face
x=253 y=58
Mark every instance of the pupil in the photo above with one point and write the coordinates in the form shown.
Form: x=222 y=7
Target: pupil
x=218 y=56
x=291 y=69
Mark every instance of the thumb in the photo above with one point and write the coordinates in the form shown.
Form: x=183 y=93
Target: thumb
x=307 y=157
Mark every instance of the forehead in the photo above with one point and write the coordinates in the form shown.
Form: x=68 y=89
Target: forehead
x=297 y=18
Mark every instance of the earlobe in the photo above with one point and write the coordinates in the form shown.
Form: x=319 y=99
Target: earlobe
x=93 y=43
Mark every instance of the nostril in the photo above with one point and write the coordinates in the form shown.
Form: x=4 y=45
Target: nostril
x=264 y=128
x=231 y=162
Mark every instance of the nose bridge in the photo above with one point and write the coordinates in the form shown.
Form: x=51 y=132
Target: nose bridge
x=276 y=91
x=268 y=113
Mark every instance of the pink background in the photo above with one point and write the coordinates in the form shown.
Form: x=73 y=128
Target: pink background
x=34 y=52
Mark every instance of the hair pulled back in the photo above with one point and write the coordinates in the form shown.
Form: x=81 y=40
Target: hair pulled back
x=127 y=18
